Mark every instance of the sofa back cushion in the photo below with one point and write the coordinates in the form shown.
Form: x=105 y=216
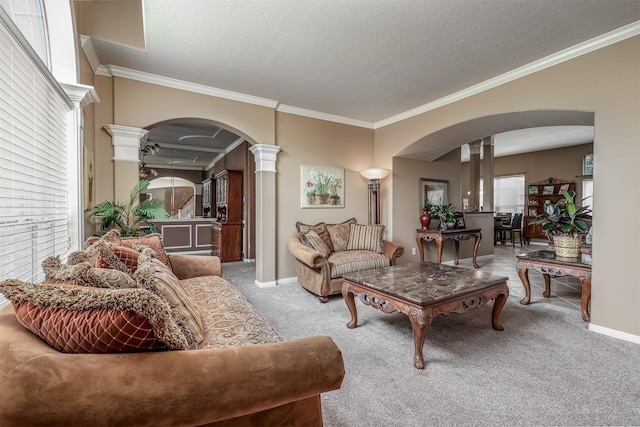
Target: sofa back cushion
x=339 y=234
x=366 y=237
x=80 y=319
x=320 y=229
x=315 y=242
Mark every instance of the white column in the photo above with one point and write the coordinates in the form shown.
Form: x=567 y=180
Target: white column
x=474 y=174
x=487 y=173
x=80 y=95
x=265 y=157
x=126 y=157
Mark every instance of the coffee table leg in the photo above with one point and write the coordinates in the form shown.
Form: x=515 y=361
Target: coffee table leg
x=547 y=285
x=347 y=294
x=420 y=323
x=498 y=305
x=523 y=273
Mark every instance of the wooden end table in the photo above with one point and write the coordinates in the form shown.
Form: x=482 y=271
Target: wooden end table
x=423 y=290
x=439 y=236
x=548 y=264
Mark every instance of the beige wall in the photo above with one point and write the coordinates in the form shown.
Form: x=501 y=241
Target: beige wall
x=306 y=141
x=605 y=82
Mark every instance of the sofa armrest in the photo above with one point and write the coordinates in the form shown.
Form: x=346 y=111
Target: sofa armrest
x=189 y=387
x=188 y=266
x=392 y=251
x=303 y=253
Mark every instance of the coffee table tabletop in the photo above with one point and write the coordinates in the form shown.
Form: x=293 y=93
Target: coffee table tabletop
x=423 y=290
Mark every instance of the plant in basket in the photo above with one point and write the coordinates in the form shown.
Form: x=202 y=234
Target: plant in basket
x=564 y=222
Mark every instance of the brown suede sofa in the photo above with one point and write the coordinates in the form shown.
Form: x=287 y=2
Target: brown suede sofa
x=325 y=252
x=240 y=373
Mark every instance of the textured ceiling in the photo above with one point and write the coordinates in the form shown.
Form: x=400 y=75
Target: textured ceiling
x=363 y=60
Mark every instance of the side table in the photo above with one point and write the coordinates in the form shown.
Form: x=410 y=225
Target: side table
x=439 y=236
x=548 y=264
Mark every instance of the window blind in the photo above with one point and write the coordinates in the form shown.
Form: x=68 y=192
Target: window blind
x=33 y=162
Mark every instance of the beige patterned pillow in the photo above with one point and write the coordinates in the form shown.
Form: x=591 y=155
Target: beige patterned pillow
x=366 y=238
x=339 y=234
x=79 y=319
x=153 y=275
x=154 y=241
x=84 y=274
x=315 y=242
x=320 y=228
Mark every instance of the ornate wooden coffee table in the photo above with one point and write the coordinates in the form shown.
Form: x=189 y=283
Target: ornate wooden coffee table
x=423 y=290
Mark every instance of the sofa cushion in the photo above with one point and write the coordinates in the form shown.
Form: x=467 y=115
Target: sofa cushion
x=117 y=257
x=154 y=241
x=350 y=261
x=156 y=277
x=229 y=319
x=339 y=234
x=80 y=319
x=84 y=274
x=366 y=237
x=320 y=229
x=315 y=242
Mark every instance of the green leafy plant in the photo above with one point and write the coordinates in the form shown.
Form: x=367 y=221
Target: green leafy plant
x=321 y=181
x=334 y=185
x=564 y=217
x=443 y=211
x=128 y=218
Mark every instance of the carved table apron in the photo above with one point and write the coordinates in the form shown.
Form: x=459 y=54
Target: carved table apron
x=423 y=290
x=455 y=235
x=546 y=263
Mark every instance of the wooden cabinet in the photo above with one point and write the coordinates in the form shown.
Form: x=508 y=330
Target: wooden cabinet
x=206 y=198
x=539 y=193
x=227 y=228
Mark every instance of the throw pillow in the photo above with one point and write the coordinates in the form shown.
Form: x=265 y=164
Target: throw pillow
x=84 y=274
x=74 y=319
x=156 y=277
x=320 y=228
x=154 y=241
x=315 y=242
x=339 y=234
x=117 y=257
x=111 y=237
x=366 y=237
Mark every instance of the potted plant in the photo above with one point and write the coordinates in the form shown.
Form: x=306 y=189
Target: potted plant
x=335 y=184
x=564 y=223
x=310 y=192
x=446 y=214
x=129 y=217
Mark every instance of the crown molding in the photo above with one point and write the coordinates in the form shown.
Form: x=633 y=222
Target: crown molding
x=283 y=108
x=588 y=46
x=188 y=86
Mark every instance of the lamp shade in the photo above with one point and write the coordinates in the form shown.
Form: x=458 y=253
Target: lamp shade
x=374 y=173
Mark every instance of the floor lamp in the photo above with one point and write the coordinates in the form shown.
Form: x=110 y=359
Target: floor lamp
x=374 y=176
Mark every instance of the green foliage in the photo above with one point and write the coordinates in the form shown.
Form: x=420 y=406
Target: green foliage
x=442 y=211
x=564 y=217
x=128 y=218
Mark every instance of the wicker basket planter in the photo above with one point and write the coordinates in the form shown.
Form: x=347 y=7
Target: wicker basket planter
x=567 y=246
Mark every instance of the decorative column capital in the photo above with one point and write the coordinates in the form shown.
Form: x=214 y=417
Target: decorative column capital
x=474 y=147
x=265 y=156
x=126 y=142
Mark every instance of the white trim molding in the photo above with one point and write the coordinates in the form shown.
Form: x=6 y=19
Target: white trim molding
x=126 y=142
x=613 y=333
x=266 y=156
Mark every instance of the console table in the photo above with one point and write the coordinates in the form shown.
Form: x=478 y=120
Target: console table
x=439 y=236
x=548 y=264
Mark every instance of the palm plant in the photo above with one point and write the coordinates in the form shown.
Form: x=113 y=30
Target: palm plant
x=128 y=218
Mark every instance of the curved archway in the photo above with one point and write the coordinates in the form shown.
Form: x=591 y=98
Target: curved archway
x=435 y=145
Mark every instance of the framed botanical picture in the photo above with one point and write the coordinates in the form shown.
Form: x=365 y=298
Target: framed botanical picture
x=321 y=187
x=433 y=192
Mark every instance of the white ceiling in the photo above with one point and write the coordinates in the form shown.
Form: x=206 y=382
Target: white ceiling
x=365 y=62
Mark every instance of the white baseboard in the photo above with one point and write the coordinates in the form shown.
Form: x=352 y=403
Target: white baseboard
x=265 y=284
x=613 y=333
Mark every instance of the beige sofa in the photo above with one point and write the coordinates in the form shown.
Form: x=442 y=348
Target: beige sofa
x=241 y=373
x=325 y=252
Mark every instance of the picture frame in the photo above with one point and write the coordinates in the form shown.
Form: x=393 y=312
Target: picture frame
x=563 y=187
x=547 y=189
x=321 y=187
x=533 y=212
x=533 y=189
x=460 y=221
x=434 y=192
